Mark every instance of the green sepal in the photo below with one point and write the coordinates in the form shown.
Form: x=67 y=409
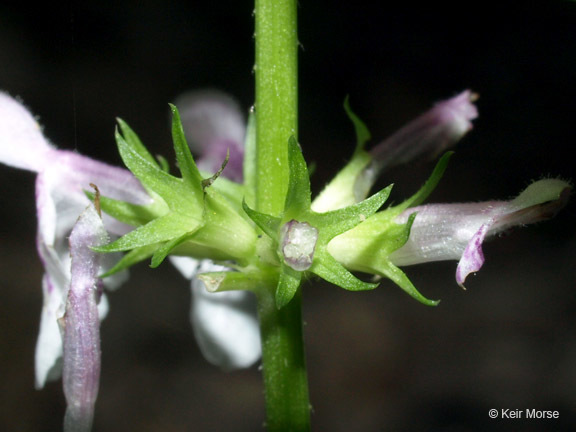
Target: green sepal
x=249 y=279
x=186 y=164
x=173 y=190
x=348 y=187
x=287 y=285
x=159 y=230
x=163 y=163
x=162 y=252
x=332 y=271
x=367 y=247
x=269 y=224
x=362 y=133
x=132 y=139
x=232 y=191
x=399 y=278
x=128 y=213
x=336 y=222
x=298 y=195
x=129 y=259
x=428 y=187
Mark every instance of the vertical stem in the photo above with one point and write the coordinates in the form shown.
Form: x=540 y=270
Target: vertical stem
x=276 y=99
x=285 y=380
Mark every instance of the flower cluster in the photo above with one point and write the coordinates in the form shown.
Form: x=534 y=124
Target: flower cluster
x=205 y=222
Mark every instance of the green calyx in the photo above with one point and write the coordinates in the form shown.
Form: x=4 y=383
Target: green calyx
x=204 y=215
x=189 y=214
x=349 y=186
x=328 y=225
x=366 y=248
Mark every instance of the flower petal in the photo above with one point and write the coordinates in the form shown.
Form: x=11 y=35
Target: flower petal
x=473 y=257
x=49 y=345
x=225 y=323
x=457 y=231
x=226 y=327
x=81 y=362
x=214 y=124
x=22 y=144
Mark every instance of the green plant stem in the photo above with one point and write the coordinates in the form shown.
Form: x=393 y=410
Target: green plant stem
x=276 y=99
x=284 y=368
x=285 y=380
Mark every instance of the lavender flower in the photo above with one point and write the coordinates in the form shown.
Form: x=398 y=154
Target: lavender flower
x=81 y=322
x=457 y=231
x=430 y=134
x=60 y=199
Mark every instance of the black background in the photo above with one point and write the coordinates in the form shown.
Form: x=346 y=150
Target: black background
x=377 y=360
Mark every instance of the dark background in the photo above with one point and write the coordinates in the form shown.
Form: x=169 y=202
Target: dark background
x=377 y=360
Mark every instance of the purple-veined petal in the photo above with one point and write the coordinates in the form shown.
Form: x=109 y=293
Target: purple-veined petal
x=473 y=257
x=429 y=134
x=81 y=360
x=22 y=144
x=225 y=323
x=214 y=124
x=456 y=231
